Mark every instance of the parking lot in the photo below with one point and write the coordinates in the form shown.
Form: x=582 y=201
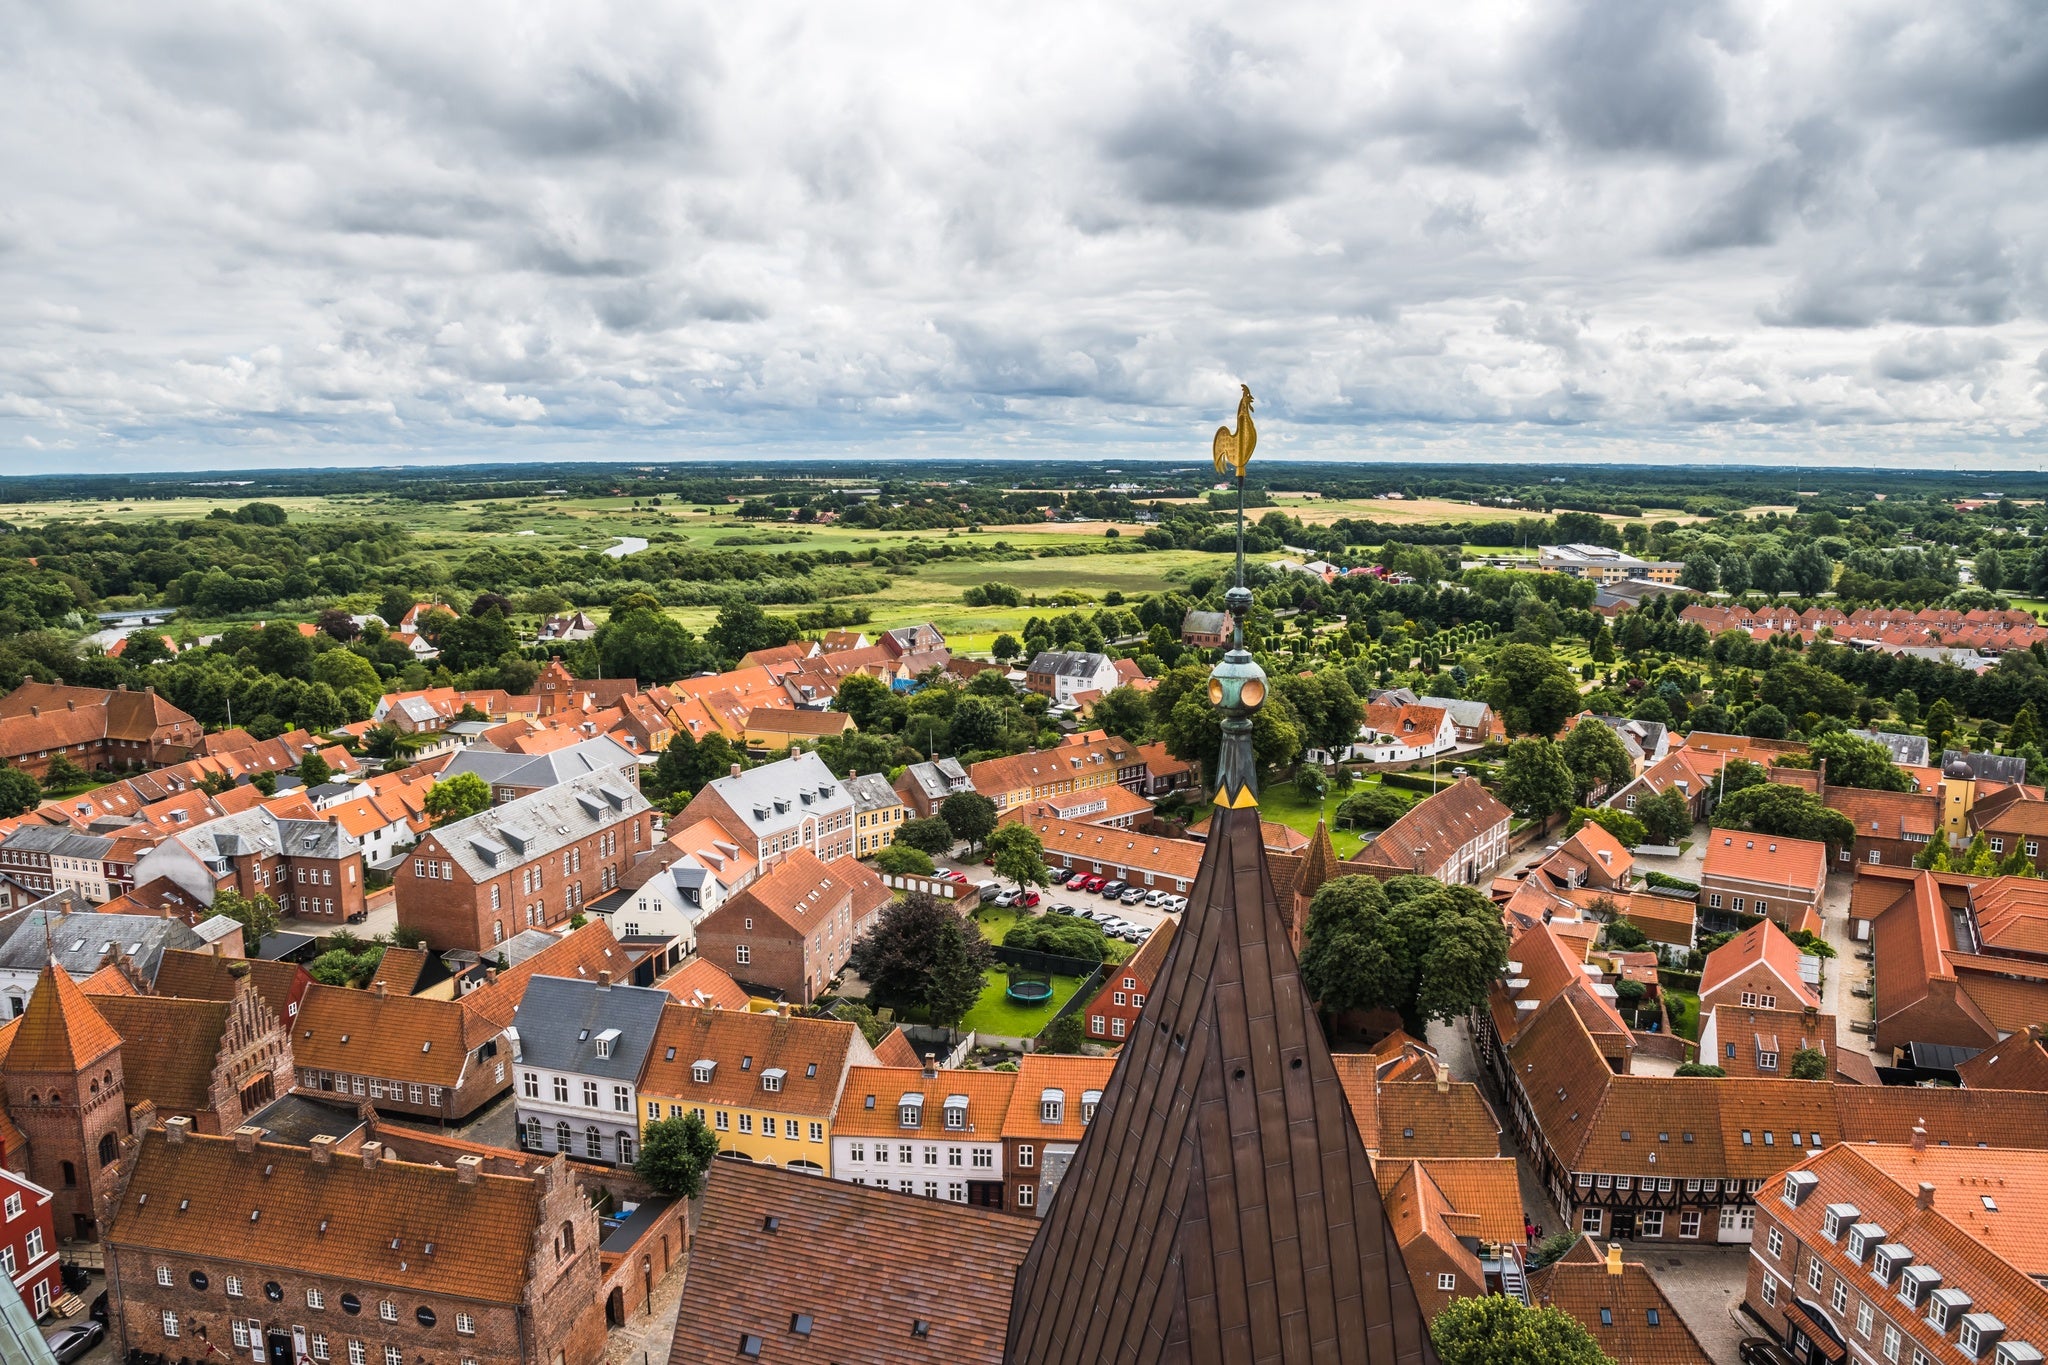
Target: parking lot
x=1142 y=915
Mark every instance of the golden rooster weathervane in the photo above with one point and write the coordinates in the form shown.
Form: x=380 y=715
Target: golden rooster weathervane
x=1233 y=449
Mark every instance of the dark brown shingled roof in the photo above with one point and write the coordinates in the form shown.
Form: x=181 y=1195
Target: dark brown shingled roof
x=1221 y=1207
x=776 y=1251
x=169 y=1048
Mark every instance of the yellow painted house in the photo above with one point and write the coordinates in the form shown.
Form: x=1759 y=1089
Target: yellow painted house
x=766 y=1084
x=877 y=812
x=772 y=729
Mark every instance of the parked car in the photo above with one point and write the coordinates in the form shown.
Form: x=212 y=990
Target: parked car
x=1113 y=926
x=1132 y=895
x=1059 y=908
x=99 y=1307
x=1094 y=883
x=68 y=1341
x=1144 y=932
x=987 y=890
x=1059 y=875
x=949 y=875
x=1111 y=890
x=1005 y=897
x=1457 y=772
x=1177 y=903
x=1156 y=898
x=1026 y=899
x=1077 y=881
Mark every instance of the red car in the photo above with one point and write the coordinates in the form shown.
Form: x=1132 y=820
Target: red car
x=1028 y=900
x=1094 y=883
x=1077 y=882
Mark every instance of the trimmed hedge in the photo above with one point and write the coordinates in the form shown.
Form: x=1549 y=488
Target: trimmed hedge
x=1676 y=979
x=1417 y=782
x=1669 y=882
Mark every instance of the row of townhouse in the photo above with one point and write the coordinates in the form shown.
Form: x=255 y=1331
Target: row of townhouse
x=93 y=727
x=1624 y=1154
x=312 y=868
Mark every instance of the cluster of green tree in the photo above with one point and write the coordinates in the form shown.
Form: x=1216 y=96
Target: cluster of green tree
x=1411 y=945
x=1066 y=935
x=922 y=957
x=984 y=718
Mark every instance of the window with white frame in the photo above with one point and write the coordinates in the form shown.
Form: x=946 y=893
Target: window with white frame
x=1774 y=1242
x=1769 y=1290
x=170 y=1323
x=1589 y=1221
x=1891 y=1342
x=1689 y=1223
x=234 y=1286
x=387 y=1311
x=356 y=1353
x=1447 y=1282
x=1027 y=1195
x=315 y=1299
x=1650 y=1223
x=1864 y=1317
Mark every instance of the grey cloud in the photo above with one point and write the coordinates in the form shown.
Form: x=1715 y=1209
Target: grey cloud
x=1927 y=356
x=1622 y=76
x=1973 y=281
x=1785 y=185
x=1977 y=72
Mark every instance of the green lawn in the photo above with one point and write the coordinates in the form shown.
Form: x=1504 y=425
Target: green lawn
x=1684 y=1009
x=1281 y=804
x=998 y=1014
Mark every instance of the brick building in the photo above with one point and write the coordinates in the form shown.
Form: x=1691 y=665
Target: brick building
x=924 y=787
x=300 y=1253
x=780 y=807
x=93 y=727
x=28 y=1242
x=1757 y=969
x=1049 y=1113
x=63 y=1081
x=793 y=927
x=1147 y=860
x=1115 y=1007
x=1620 y=1303
x=405 y=1054
x=528 y=864
x=1904 y=1252
x=1763 y=874
x=313 y=869
x=1957 y=959
x=42 y=859
x=1892 y=828
x=213 y=1061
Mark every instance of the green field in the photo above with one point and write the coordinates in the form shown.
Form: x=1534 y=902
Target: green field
x=1281 y=804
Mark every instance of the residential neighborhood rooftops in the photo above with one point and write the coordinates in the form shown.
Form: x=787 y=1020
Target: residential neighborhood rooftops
x=1620 y=1303
x=875 y=1101
x=1767 y=860
x=517 y=832
x=1761 y=945
x=1436 y=827
x=598 y=754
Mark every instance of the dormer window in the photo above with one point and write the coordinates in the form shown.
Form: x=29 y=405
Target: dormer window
x=700 y=1071
x=1835 y=1218
x=771 y=1079
x=1945 y=1306
x=1089 y=1100
x=1978 y=1333
x=1862 y=1238
x=606 y=1041
x=1052 y=1106
x=956 y=1112
x=910 y=1111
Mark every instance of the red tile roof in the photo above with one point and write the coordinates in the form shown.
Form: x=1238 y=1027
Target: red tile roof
x=1761 y=945
x=1620 y=1303
x=60 y=1030
x=1439 y=825
x=703 y=982
x=1770 y=860
x=774 y=1248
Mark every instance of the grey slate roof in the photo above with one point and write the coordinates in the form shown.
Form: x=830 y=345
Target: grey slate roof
x=940 y=779
x=314 y=839
x=534 y=826
x=599 y=754
x=561 y=1017
x=79 y=941
x=58 y=841
x=257 y=831
x=768 y=798
x=1198 y=622
x=1908 y=751
x=1466 y=713
x=523 y=945
x=2008 y=768
x=1068 y=663
x=871 y=791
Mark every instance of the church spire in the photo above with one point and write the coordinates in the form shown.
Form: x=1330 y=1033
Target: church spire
x=1221 y=1209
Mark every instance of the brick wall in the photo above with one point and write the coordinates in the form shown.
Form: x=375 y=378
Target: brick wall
x=455 y=912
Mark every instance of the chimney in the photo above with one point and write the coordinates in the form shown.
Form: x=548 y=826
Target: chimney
x=931 y=1066
x=322 y=1146
x=70 y=704
x=1925 y=1199
x=245 y=1137
x=175 y=1129
x=1919 y=1138
x=604 y=980
x=377 y=989
x=372 y=1151
x=735 y=770
x=34 y=710
x=466 y=1169
x=1614 y=1259
x=490 y=975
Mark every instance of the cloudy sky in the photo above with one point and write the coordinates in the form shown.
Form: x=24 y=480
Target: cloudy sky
x=264 y=235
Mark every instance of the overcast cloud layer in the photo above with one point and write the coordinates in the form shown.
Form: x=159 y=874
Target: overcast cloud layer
x=385 y=233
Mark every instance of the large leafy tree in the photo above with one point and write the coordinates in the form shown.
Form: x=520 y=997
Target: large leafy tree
x=1019 y=855
x=1535 y=780
x=1121 y=711
x=1374 y=807
x=970 y=815
x=1666 y=817
x=256 y=914
x=869 y=701
x=1326 y=709
x=1530 y=689
x=742 y=628
x=1597 y=758
x=1847 y=760
x=1413 y=945
x=1788 y=812
x=901 y=860
x=457 y=798
x=930 y=835
x=977 y=724
x=19 y=792
x=1494 y=1329
x=688 y=763
x=922 y=955
x=675 y=1154
x=646 y=644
